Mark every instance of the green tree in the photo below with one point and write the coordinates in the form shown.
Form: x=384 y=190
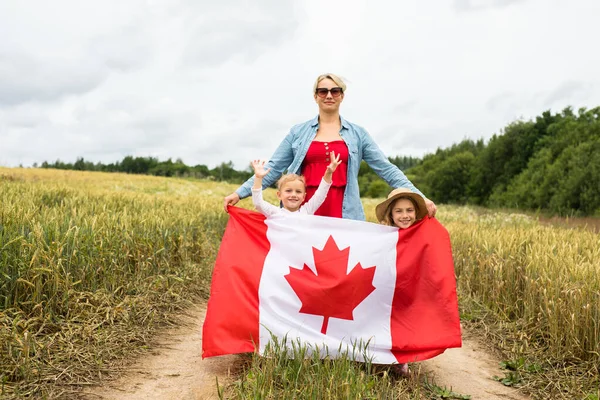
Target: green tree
x=378 y=188
x=449 y=182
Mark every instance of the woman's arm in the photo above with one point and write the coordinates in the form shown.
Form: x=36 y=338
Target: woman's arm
x=389 y=172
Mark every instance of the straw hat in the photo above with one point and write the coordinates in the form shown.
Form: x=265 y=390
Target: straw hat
x=382 y=208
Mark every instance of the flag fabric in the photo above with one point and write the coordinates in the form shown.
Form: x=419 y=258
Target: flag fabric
x=331 y=284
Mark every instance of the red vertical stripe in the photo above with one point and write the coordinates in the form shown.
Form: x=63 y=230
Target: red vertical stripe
x=232 y=322
x=424 y=320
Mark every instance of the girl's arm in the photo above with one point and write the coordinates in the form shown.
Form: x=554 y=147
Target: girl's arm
x=311 y=206
x=259 y=173
x=335 y=161
x=257 y=199
x=320 y=195
x=267 y=209
x=279 y=162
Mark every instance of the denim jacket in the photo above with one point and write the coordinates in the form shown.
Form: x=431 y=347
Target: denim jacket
x=291 y=152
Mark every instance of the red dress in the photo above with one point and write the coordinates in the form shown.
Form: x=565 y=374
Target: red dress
x=313 y=168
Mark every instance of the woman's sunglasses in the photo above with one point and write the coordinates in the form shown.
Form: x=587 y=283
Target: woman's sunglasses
x=335 y=92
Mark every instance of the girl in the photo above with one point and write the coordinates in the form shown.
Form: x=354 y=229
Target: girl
x=402 y=209
x=291 y=190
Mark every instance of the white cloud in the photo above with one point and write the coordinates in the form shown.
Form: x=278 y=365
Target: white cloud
x=472 y=5
x=25 y=79
x=568 y=92
x=239 y=32
x=213 y=81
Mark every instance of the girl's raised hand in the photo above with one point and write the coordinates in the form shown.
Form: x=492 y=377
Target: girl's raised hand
x=335 y=161
x=259 y=168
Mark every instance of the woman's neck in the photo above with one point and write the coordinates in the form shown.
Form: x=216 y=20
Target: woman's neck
x=329 y=118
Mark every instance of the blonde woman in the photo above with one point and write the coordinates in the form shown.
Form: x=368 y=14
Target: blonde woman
x=307 y=148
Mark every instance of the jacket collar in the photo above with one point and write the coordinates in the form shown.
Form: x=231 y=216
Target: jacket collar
x=315 y=122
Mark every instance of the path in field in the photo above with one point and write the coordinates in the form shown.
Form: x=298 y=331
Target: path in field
x=469 y=370
x=175 y=370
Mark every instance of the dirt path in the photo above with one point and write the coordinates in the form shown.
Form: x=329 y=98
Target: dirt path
x=175 y=370
x=470 y=370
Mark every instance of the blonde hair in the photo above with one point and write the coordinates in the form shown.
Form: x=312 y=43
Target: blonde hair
x=338 y=81
x=389 y=221
x=290 y=178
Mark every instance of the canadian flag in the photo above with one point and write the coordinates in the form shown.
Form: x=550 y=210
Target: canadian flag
x=331 y=284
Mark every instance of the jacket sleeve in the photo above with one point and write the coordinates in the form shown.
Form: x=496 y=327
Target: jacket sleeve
x=279 y=162
x=387 y=171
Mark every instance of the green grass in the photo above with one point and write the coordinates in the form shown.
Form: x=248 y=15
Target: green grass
x=291 y=370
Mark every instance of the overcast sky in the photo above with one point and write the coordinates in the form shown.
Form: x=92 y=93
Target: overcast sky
x=210 y=81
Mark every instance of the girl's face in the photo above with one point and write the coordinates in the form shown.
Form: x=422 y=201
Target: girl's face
x=404 y=213
x=292 y=195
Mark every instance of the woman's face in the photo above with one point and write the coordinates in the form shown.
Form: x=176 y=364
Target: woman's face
x=404 y=213
x=329 y=103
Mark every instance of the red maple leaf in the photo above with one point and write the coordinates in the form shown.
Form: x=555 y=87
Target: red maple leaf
x=331 y=292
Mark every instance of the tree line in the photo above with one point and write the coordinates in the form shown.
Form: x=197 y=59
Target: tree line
x=152 y=166
x=549 y=163
x=370 y=184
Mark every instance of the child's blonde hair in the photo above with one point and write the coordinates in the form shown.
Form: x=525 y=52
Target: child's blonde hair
x=290 y=178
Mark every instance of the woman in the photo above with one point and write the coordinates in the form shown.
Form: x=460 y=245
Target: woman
x=305 y=150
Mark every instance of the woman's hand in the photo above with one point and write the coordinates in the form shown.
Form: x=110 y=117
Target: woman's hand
x=431 y=208
x=231 y=200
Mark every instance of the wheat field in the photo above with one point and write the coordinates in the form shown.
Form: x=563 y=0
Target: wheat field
x=91 y=263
